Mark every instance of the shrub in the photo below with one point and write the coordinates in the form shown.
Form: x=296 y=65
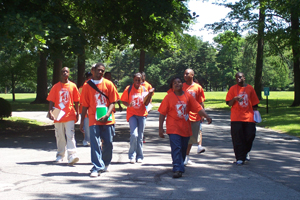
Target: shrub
x=5 y=108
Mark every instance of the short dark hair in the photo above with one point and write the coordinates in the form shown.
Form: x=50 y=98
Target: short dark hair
x=137 y=74
x=87 y=74
x=172 y=80
x=99 y=64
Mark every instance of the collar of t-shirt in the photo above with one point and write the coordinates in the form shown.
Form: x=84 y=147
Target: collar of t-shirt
x=96 y=82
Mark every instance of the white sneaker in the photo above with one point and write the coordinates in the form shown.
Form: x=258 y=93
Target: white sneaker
x=187 y=161
x=239 y=162
x=139 y=160
x=248 y=156
x=95 y=174
x=105 y=169
x=59 y=159
x=73 y=160
x=200 y=149
x=132 y=161
x=85 y=143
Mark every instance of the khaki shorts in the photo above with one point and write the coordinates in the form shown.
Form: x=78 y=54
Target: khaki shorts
x=195 y=138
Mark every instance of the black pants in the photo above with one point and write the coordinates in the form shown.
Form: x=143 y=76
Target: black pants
x=242 y=135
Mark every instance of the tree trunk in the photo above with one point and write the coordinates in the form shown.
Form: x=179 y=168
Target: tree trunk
x=13 y=86
x=81 y=69
x=41 y=90
x=56 y=71
x=296 y=52
x=260 y=53
x=142 y=61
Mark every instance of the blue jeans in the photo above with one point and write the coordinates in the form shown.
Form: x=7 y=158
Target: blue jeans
x=137 y=127
x=86 y=129
x=101 y=157
x=179 y=146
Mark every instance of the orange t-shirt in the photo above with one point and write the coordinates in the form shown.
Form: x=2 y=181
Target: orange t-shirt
x=176 y=108
x=91 y=99
x=135 y=96
x=242 y=111
x=197 y=92
x=147 y=85
x=63 y=95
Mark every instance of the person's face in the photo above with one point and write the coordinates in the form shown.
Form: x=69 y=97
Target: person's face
x=98 y=73
x=240 y=79
x=188 y=75
x=65 y=72
x=137 y=81
x=177 y=85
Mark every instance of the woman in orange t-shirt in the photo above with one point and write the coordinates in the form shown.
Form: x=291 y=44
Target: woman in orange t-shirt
x=136 y=116
x=177 y=105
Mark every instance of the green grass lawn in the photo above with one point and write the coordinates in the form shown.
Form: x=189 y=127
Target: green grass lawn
x=281 y=116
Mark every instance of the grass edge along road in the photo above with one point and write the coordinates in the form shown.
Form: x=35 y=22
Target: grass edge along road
x=281 y=116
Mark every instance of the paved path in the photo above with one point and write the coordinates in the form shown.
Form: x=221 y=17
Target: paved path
x=27 y=170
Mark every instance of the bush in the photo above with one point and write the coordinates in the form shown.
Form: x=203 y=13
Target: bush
x=5 y=108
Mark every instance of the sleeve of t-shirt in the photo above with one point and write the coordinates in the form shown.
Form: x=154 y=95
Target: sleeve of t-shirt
x=76 y=94
x=202 y=94
x=124 y=96
x=52 y=95
x=113 y=93
x=230 y=94
x=193 y=105
x=164 y=106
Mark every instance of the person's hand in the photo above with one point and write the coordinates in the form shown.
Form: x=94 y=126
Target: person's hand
x=238 y=98
x=161 y=133
x=130 y=105
x=104 y=118
x=151 y=90
x=81 y=127
x=209 y=120
x=77 y=117
x=51 y=116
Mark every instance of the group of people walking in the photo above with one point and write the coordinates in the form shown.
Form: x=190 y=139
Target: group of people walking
x=183 y=108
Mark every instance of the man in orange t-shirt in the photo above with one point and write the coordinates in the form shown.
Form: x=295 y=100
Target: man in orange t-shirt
x=103 y=129
x=196 y=120
x=243 y=100
x=62 y=96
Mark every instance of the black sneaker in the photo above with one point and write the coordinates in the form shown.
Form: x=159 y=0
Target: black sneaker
x=177 y=174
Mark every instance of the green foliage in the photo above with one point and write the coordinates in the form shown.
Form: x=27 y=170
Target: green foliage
x=5 y=108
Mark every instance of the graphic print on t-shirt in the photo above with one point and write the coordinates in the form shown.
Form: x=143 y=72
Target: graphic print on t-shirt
x=193 y=93
x=181 y=109
x=245 y=101
x=137 y=100
x=64 y=96
x=100 y=99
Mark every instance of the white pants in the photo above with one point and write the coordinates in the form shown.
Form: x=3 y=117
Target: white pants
x=62 y=131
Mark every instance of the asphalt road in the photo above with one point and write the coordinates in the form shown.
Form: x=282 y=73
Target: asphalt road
x=27 y=170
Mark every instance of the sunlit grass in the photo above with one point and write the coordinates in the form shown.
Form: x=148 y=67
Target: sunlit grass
x=281 y=116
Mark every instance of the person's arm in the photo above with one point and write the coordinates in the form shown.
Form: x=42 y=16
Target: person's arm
x=120 y=107
x=83 y=114
x=77 y=111
x=255 y=107
x=232 y=101
x=148 y=100
x=161 y=125
x=51 y=104
x=205 y=115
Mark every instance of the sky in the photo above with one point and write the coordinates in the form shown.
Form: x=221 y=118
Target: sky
x=208 y=14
